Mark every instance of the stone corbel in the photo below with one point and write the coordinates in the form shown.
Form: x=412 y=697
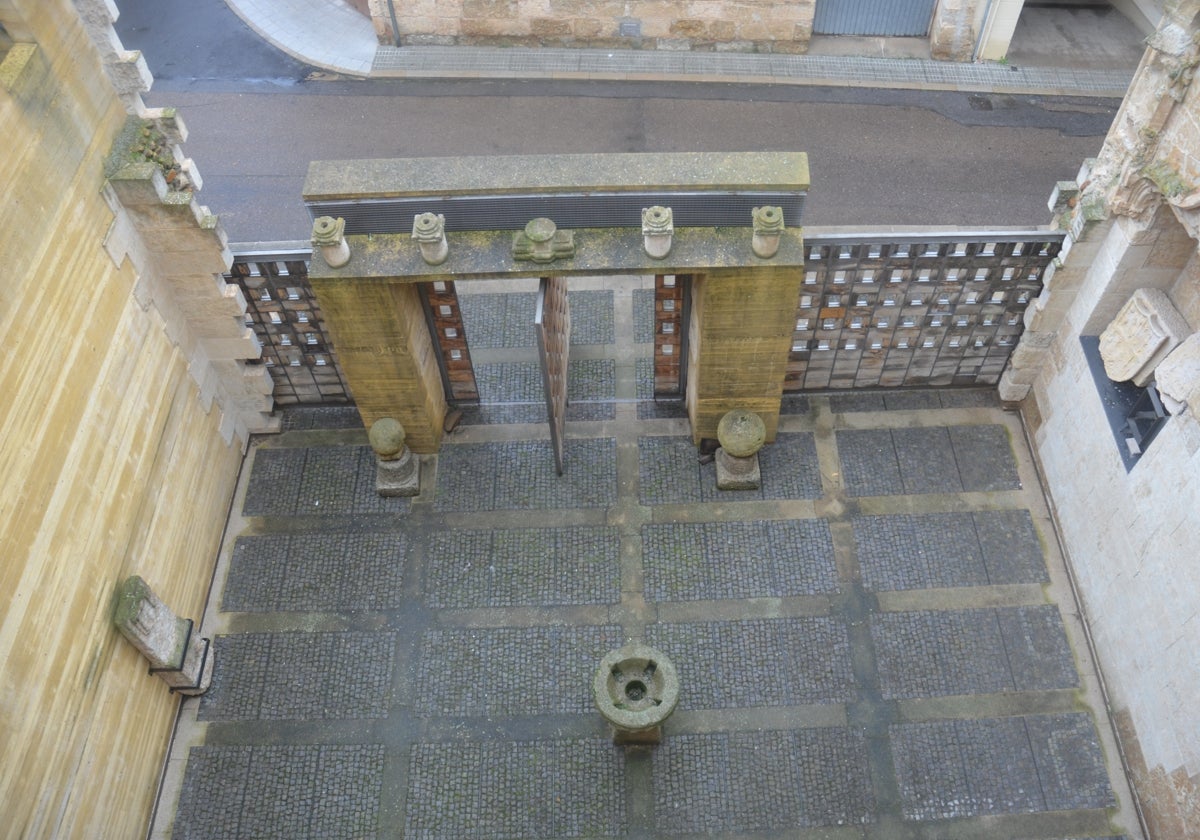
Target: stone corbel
x=1178 y=377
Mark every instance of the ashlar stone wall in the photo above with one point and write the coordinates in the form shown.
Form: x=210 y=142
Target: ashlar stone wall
x=127 y=404
x=749 y=25
x=1133 y=217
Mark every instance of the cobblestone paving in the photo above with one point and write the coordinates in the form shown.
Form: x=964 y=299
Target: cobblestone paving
x=868 y=645
x=523 y=567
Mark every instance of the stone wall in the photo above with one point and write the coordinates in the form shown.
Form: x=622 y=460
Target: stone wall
x=127 y=404
x=747 y=25
x=1130 y=535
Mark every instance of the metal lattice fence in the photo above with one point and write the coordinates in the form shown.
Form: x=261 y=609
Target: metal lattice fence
x=920 y=309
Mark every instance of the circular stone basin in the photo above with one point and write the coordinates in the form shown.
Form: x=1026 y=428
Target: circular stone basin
x=741 y=433
x=635 y=688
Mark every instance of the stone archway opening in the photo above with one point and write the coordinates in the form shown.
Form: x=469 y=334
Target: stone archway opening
x=726 y=349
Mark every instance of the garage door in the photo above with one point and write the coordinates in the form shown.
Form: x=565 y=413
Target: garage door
x=873 y=17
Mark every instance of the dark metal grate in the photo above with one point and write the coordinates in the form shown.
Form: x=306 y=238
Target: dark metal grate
x=581 y=210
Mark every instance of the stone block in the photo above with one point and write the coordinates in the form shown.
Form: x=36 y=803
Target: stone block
x=1178 y=377
x=1145 y=330
x=735 y=473
x=550 y=28
x=399 y=477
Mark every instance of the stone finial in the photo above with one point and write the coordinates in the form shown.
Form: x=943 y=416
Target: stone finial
x=397 y=471
x=387 y=437
x=328 y=234
x=741 y=433
x=658 y=228
x=182 y=659
x=543 y=242
x=1147 y=328
x=429 y=230
x=768 y=227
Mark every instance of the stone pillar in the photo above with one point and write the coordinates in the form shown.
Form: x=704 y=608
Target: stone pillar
x=398 y=473
x=952 y=34
x=176 y=654
x=740 y=336
x=383 y=344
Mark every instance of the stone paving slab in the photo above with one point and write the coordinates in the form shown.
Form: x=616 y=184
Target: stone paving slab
x=316 y=572
x=934 y=550
x=670 y=472
x=944 y=652
x=321 y=792
x=758 y=662
x=762 y=781
x=523 y=567
x=318 y=481
x=764 y=559
x=967 y=768
x=551 y=788
x=520 y=475
x=301 y=676
x=880 y=462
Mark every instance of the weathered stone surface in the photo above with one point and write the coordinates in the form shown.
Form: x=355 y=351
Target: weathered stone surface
x=399 y=476
x=737 y=473
x=180 y=657
x=1147 y=328
x=636 y=689
x=741 y=433
x=386 y=437
x=1178 y=377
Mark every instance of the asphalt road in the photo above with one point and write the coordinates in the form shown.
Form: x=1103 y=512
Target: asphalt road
x=878 y=157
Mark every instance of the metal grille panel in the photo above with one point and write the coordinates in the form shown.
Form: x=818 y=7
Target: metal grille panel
x=583 y=210
x=286 y=318
x=914 y=310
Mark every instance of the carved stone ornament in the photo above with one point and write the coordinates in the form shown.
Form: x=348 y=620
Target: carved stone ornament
x=543 y=242
x=1146 y=329
x=768 y=227
x=177 y=655
x=658 y=228
x=1178 y=377
x=429 y=231
x=328 y=234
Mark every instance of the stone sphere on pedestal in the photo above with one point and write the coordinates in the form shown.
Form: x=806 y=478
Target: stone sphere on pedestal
x=741 y=433
x=386 y=436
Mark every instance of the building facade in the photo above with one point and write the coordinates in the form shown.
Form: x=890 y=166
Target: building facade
x=1130 y=525
x=129 y=400
x=956 y=30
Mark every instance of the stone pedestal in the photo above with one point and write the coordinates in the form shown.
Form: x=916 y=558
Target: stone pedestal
x=398 y=472
x=176 y=654
x=636 y=689
x=734 y=473
x=741 y=434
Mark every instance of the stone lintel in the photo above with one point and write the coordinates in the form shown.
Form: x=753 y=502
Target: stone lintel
x=330 y=180
x=487 y=255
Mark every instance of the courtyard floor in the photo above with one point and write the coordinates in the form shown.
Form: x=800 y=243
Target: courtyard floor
x=879 y=643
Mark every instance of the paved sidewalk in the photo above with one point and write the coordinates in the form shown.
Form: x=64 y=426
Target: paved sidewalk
x=331 y=35
x=878 y=643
